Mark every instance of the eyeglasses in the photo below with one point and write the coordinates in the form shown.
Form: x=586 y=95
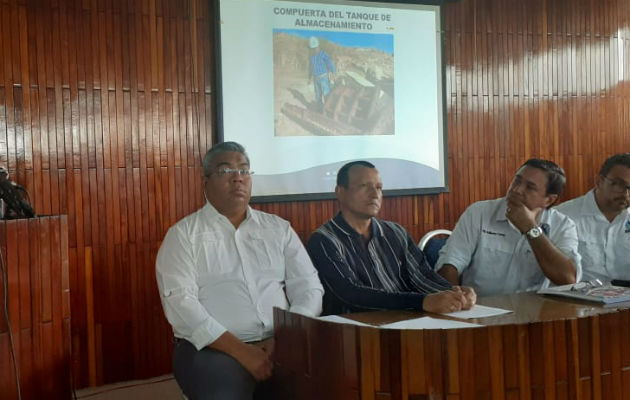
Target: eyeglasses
x=223 y=172
x=617 y=185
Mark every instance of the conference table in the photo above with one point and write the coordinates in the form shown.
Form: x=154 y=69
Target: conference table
x=546 y=348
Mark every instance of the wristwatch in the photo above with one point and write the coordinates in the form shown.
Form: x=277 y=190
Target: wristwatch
x=534 y=232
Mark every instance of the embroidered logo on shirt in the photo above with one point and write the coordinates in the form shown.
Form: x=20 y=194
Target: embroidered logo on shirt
x=493 y=233
x=626 y=226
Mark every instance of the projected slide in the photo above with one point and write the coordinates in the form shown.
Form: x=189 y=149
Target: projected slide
x=343 y=94
x=309 y=86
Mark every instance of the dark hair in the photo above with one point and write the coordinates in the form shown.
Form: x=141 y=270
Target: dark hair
x=342 y=175
x=218 y=148
x=556 y=179
x=617 y=159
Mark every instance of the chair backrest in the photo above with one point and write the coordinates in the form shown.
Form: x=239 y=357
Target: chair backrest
x=432 y=242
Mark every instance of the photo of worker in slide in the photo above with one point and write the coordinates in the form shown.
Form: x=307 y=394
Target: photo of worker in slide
x=321 y=71
x=333 y=83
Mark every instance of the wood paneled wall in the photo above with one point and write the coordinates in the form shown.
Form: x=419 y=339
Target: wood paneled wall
x=104 y=107
x=35 y=263
x=107 y=106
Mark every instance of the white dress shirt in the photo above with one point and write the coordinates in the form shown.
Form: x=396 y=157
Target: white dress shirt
x=604 y=246
x=214 y=278
x=493 y=257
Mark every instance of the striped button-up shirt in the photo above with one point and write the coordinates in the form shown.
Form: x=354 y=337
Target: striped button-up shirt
x=389 y=272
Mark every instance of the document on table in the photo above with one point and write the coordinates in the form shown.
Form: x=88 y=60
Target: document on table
x=341 y=320
x=606 y=294
x=428 y=323
x=478 y=311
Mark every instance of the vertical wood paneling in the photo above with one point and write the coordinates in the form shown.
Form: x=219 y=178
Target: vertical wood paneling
x=35 y=258
x=100 y=117
x=504 y=361
x=107 y=107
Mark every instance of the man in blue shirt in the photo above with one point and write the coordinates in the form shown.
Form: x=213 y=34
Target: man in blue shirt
x=366 y=263
x=320 y=72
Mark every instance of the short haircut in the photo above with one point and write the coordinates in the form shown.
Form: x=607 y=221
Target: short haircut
x=617 y=159
x=219 y=148
x=342 y=175
x=556 y=179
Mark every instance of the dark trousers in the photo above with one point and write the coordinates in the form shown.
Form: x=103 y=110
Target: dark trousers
x=209 y=374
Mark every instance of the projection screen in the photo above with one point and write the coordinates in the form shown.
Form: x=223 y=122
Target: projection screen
x=307 y=86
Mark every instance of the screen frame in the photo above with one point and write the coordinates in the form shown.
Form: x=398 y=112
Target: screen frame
x=330 y=194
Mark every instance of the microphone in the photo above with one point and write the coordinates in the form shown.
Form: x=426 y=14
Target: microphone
x=14 y=198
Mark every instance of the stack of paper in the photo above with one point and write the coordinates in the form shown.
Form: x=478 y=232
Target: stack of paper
x=429 y=323
x=602 y=294
x=479 y=311
x=341 y=320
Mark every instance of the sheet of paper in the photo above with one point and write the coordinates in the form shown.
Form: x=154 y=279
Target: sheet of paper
x=428 y=323
x=478 y=311
x=341 y=320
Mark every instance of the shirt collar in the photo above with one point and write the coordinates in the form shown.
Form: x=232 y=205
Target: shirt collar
x=590 y=207
x=212 y=214
x=499 y=213
x=375 y=226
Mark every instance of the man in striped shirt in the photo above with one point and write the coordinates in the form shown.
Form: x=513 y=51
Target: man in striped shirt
x=366 y=263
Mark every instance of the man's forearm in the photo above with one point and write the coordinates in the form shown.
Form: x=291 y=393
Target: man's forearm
x=365 y=298
x=556 y=266
x=449 y=272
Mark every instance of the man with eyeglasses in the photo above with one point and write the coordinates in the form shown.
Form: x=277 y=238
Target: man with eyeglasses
x=515 y=243
x=220 y=271
x=603 y=222
x=368 y=263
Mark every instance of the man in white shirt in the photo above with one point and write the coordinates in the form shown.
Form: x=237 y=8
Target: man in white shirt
x=515 y=243
x=602 y=217
x=220 y=271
